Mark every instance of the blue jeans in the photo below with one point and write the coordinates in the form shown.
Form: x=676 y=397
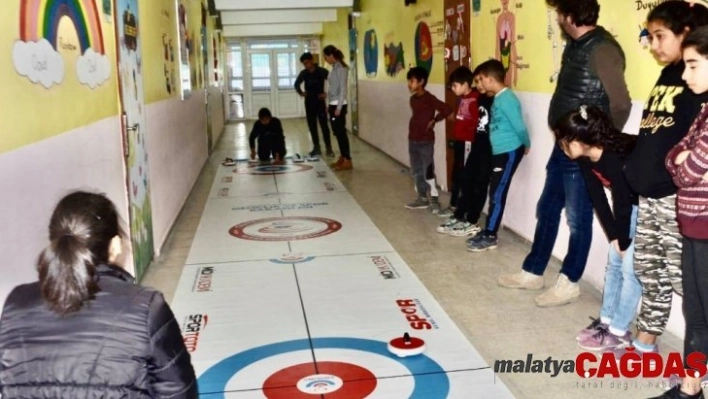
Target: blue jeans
x=622 y=290
x=564 y=188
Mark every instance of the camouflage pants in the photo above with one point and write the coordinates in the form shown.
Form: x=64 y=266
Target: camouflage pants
x=657 y=261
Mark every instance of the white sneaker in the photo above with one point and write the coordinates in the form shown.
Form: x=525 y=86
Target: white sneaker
x=446 y=227
x=522 y=280
x=462 y=229
x=563 y=292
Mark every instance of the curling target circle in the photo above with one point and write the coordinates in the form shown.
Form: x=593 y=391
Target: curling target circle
x=423 y=370
x=288 y=228
x=273 y=169
x=336 y=379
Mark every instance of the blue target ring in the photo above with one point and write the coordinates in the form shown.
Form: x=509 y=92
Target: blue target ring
x=214 y=380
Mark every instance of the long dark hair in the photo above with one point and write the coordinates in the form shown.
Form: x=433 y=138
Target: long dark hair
x=80 y=232
x=591 y=126
x=678 y=15
x=337 y=53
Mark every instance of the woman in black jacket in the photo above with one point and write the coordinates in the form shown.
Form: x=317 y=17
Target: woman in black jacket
x=85 y=329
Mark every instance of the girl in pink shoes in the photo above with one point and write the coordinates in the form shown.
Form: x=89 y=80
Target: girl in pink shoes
x=588 y=136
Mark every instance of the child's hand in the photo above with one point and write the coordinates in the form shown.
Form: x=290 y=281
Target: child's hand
x=681 y=157
x=526 y=151
x=431 y=124
x=253 y=154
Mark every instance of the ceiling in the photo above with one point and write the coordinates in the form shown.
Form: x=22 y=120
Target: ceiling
x=250 y=18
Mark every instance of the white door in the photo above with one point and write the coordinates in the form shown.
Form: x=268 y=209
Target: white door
x=127 y=23
x=261 y=82
x=286 y=68
x=272 y=80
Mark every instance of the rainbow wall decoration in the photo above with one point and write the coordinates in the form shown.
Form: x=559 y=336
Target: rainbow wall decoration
x=36 y=55
x=40 y=19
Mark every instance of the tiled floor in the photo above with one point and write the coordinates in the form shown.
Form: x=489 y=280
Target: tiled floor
x=501 y=324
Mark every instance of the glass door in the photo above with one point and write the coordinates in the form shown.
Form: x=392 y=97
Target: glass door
x=285 y=96
x=261 y=81
x=236 y=87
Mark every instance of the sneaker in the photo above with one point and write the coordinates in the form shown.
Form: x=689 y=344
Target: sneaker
x=345 y=165
x=475 y=238
x=435 y=207
x=603 y=340
x=521 y=280
x=447 y=212
x=330 y=153
x=446 y=227
x=419 y=203
x=563 y=292
x=590 y=330
x=621 y=351
x=315 y=153
x=463 y=229
x=485 y=243
x=676 y=393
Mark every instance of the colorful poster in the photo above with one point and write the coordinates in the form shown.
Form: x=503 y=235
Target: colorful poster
x=185 y=47
x=394 y=60
x=506 y=43
x=423 y=47
x=36 y=54
x=371 y=53
x=133 y=108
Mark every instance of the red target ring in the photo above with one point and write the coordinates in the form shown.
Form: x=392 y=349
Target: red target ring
x=333 y=380
x=400 y=343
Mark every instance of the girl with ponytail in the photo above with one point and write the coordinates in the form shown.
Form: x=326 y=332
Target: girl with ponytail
x=337 y=97
x=85 y=329
x=589 y=136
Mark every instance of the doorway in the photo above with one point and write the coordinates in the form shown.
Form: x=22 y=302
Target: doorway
x=272 y=79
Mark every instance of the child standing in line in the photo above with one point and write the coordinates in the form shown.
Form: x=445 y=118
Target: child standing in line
x=427 y=111
x=477 y=165
x=588 y=136
x=687 y=163
x=271 y=141
x=667 y=116
x=510 y=142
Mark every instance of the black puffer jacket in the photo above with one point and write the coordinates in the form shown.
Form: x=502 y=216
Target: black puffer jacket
x=577 y=85
x=124 y=344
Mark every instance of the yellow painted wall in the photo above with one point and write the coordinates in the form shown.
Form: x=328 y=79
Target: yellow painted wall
x=158 y=28
x=396 y=23
x=336 y=34
x=535 y=49
x=29 y=112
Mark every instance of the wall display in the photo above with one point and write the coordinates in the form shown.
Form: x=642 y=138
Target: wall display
x=41 y=51
x=371 y=53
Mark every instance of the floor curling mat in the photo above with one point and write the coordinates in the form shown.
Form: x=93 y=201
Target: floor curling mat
x=290 y=291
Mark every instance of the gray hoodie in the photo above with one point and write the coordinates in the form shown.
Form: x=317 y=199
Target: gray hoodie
x=337 y=92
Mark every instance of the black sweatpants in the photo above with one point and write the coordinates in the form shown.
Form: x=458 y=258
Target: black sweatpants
x=694 y=264
x=459 y=149
x=476 y=175
x=339 y=127
x=503 y=168
x=271 y=145
x=316 y=111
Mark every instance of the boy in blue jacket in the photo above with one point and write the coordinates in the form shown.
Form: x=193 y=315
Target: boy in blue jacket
x=510 y=142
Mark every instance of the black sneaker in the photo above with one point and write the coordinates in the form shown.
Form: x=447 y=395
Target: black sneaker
x=330 y=153
x=315 y=153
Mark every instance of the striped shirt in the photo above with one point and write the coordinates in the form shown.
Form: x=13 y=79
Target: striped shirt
x=692 y=199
